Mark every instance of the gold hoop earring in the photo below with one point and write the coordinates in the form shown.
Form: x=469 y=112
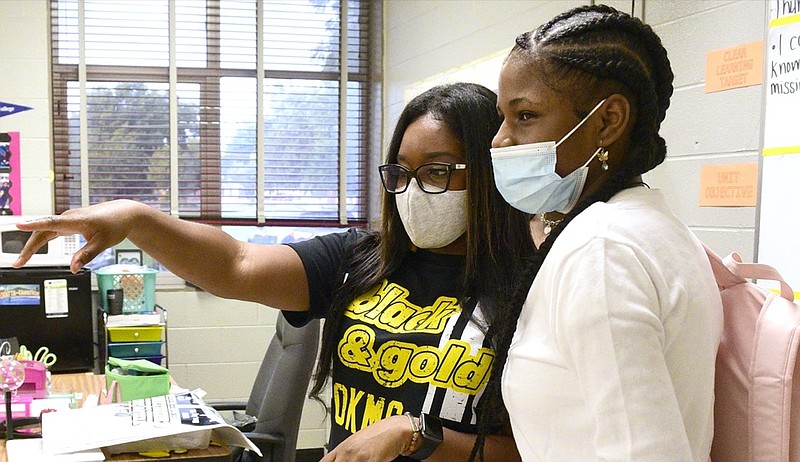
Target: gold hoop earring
x=602 y=156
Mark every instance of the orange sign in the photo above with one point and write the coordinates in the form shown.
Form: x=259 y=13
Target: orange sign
x=740 y=66
x=728 y=185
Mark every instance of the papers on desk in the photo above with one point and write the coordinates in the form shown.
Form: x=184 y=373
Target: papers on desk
x=134 y=319
x=28 y=450
x=176 y=421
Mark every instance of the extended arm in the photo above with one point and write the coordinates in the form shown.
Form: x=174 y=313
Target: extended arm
x=204 y=255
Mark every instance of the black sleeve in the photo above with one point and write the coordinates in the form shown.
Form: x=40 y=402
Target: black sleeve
x=321 y=257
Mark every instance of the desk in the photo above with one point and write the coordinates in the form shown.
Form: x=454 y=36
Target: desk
x=88 y=383
x=212 y=454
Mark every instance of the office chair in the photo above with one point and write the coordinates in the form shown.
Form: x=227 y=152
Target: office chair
x=278 y=393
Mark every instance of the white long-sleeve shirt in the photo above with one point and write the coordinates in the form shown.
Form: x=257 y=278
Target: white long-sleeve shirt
x=613 y=357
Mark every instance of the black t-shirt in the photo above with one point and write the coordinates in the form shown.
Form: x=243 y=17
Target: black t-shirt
x=405 y=345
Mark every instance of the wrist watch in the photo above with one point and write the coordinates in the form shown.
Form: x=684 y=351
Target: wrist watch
x=430 y=427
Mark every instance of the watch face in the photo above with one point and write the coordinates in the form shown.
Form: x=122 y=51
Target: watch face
x=431 y=427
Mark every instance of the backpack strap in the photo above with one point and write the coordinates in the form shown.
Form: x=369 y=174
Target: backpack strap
x=758 y=271
x=723 y=275
x=731 y=271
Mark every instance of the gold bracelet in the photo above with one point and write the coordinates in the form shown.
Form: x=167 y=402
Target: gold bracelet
x=414 y=435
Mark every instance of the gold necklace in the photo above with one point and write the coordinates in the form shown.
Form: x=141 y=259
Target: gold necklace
x=548 y=224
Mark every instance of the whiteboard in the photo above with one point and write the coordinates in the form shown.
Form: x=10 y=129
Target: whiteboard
x=778 y=242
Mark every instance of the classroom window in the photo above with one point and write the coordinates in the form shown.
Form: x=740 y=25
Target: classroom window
x=231 y=112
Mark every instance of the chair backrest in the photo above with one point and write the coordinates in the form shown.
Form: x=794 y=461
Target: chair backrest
x=280 y=388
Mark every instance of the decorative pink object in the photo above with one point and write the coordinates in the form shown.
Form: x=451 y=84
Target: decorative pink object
x=35 y=383
x=12 y=375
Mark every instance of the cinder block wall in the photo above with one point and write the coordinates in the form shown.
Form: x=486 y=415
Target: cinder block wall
x=425 y=39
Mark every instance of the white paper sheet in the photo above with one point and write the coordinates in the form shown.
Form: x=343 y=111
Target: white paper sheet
x=31 y=449
x=180 y=419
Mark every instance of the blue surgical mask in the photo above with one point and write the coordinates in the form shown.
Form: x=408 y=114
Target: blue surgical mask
x=526 y=175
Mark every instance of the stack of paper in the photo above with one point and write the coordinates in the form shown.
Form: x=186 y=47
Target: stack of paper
x=134 y=319
x=176 y=421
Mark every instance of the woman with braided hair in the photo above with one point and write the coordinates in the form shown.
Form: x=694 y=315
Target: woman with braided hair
x=607 y=349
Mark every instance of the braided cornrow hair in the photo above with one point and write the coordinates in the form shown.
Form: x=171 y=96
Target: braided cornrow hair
x=598 y=47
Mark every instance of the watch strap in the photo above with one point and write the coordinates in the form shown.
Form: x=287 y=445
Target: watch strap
x=429 y=441
x=426 y=449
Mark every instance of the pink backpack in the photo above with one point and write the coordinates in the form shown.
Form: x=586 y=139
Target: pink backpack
x=754 y=419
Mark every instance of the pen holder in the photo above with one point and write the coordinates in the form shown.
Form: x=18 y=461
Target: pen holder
x=115 y=298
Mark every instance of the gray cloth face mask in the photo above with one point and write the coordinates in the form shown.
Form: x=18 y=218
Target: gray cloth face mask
x=432 y=221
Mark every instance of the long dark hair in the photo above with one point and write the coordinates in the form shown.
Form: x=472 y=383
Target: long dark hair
x=581 y=54
x=498 y=237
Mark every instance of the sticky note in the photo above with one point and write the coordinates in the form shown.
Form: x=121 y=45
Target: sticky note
x=728 y=185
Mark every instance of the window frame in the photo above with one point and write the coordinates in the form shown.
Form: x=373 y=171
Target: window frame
x=212 y=76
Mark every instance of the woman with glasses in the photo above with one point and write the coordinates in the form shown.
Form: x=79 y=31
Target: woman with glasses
x=404 y=340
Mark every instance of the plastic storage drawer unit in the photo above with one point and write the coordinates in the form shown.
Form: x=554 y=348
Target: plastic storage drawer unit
x=134 y=349
x=135 y=334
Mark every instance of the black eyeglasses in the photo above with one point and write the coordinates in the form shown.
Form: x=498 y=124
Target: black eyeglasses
x=433 y=177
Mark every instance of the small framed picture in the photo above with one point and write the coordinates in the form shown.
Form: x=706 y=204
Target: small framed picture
x=128 y=256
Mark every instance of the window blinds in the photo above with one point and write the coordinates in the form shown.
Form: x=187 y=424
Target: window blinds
x=233 y=111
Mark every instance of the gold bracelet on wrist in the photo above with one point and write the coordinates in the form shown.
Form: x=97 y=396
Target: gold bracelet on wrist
x=414 y=435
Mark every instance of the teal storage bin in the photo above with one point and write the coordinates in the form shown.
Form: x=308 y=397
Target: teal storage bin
x=138 y=284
